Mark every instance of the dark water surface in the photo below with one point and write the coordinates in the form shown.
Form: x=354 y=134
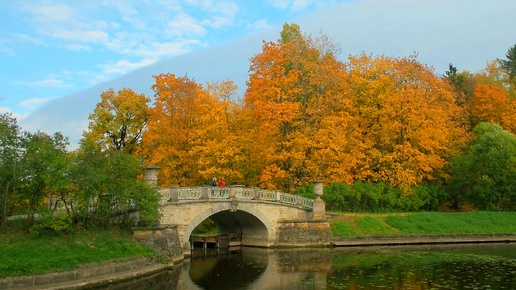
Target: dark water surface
x=486 y=266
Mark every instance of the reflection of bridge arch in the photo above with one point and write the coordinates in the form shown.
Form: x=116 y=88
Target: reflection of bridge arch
x=273 y=269
x=225 y=268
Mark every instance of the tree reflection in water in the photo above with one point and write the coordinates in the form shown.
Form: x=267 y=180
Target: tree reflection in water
x=487 y=266
x=421 y=267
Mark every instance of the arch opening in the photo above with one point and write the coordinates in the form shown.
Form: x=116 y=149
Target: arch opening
x=253 y=227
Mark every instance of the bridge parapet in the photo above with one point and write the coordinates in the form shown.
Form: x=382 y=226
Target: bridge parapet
x=238 y=192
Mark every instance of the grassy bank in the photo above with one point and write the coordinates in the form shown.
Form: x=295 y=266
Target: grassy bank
x=423 y=223
x=21 y=254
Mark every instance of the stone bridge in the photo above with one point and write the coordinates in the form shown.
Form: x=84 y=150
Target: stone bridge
x=263 y=218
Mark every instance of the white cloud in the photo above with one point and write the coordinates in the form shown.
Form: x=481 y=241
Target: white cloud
x=28 y=38
x=32 y=102
x=4 y=110
x=56 y=13
x=64 y=22
x=184 y=24
x=124 y=7
x=153 y=49
x=52 y=82
x=135 y=22
x=259 y=25
x=77 y=47
x=218 y=22
x=18 y=117
x=173 y=48
x=3 y=47
x=114 y=25
x=93 y=36
x=88 y=78
x=227 y=8
x=124 y=66
x=300 y=4
x=281 y=4
x=8 y=51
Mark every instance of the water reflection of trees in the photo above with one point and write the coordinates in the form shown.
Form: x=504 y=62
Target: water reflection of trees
x=448 y=268
x=421 y=267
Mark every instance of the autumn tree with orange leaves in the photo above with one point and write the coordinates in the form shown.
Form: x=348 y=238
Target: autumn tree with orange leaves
x=408 y=119
x=490 y=104
x=222 y=150
x=179 y=116
x=296 y=98
x=190 y=132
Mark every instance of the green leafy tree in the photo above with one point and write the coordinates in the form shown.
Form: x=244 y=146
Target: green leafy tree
x=44 y=169
x=10 y=151
x=109 y=188
x=119 y=120
x=485 y=173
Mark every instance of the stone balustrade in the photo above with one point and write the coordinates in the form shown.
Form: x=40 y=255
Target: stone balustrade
x=240 y=192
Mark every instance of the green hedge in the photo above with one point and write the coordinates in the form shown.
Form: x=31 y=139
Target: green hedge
x=378 y=197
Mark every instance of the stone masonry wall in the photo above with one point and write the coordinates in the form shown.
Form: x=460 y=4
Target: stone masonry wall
x=164 y=239
x=83 y=272
x=303 y=233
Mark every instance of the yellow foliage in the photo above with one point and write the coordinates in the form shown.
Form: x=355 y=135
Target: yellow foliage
x=118 y=120
x=491 y=104
x=306 y=115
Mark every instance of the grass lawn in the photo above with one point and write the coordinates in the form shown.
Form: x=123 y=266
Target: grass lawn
x=21 y=254
x=423 y=223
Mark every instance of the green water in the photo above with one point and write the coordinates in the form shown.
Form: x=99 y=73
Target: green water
x=490 y=266
x=486 y=266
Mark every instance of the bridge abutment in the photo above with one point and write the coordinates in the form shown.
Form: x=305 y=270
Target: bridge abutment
x=298 y=233
x=162 y=238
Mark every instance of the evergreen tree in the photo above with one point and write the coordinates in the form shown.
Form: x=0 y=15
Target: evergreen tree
x=510 y=63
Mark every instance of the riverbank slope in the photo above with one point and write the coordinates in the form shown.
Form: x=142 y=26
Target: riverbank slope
x=349 y=229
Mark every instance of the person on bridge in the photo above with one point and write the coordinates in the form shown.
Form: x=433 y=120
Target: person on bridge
x=222 y=182
x=222 y=185
x=213 y=185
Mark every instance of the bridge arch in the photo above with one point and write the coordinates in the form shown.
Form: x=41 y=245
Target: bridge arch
x=264 y=218
x=254 y=226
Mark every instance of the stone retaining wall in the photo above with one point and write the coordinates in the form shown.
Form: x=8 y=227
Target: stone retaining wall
x=303 y=233
x=163 y=238
x=424 y=239
x=82 y=273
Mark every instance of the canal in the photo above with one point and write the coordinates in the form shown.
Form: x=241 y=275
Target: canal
x=479 y=266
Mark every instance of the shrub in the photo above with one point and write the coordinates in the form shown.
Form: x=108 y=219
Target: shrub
x=378 y=197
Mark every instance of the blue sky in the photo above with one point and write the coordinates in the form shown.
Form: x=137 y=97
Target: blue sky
x=57 y=57
x=49 y=49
